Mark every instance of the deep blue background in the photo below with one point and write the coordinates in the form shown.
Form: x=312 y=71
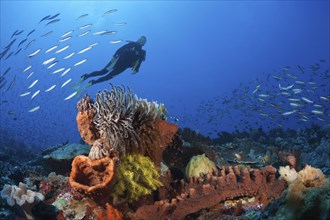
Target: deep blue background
x=198 y=52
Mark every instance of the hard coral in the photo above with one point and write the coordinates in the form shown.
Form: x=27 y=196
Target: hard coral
x=308 y=194
x=288 y=174
x=21 y=196
x=312 y=177
x=209 y=190
x=299 y=182
x=136 y=176
x=199 y=164
x=91 y=177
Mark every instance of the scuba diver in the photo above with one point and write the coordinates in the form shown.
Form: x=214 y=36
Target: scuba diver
x=130 y=55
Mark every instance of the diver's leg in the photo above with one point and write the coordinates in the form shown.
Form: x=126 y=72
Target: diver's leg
x=112 y=74
x=111 y=64
x=95 y=73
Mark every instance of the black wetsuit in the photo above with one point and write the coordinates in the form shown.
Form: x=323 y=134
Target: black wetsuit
x=127 y=56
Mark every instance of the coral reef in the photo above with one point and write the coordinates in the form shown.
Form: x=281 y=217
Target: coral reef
x=288 y=158
x=126 y=124
x=59 y=158
x=73 y=209
x=194 y=137
x=136 y=162
x=15 y=160
x=308 y=194
x=88 y=209
x=52 y=183
x=318 y=156
x=91 y=177
x=136 y=176
x=288 y=174
x=108 y=213
x=299 y=182
x=21 y=196
x=199 y=164
x=208 y=190
x=65 y=152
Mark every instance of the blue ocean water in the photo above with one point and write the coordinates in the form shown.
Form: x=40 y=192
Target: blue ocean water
x=216 y=65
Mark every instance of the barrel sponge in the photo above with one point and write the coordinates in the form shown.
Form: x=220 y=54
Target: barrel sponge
x=91 y=176
x=199 y=164
x=19 y=195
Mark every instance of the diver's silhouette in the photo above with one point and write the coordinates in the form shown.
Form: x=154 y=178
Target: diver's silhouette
x=130 y=55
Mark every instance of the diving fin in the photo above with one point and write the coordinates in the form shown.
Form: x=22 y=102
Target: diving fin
x=77 y=84
x=79 y=89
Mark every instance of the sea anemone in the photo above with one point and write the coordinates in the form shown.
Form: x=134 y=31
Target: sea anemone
x=113 y=119
x=146 y=114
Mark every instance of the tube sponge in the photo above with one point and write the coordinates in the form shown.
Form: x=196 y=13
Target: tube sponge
x=136 y=176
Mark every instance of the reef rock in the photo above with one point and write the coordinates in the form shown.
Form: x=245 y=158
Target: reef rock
x=58 y=159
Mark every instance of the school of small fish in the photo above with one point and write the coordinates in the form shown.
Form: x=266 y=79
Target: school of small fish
x=59 y=55
x=290 y=97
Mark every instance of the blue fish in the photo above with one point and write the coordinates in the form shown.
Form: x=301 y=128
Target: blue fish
x=7 y=70
x=9 y=45
x=53 y=21
x=22 y=42
x=30 y=32
x=30 y=43
x=18 y=51
x=3 y=53
x=14 y=34
x=54 y=16
x=19 y=33
x=11 y=53
x=11 y=84
x=44 y=18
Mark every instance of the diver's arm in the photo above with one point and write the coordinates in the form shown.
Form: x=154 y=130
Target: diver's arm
x=143 y=55
x=142 y=58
